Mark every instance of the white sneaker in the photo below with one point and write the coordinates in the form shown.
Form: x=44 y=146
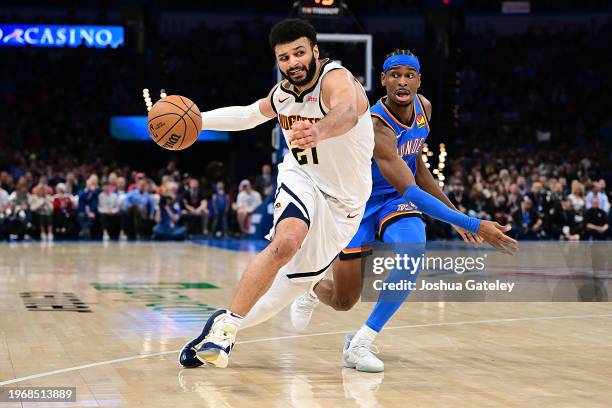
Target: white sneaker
x=361 y=356
x=301 y=310
x=215 y=351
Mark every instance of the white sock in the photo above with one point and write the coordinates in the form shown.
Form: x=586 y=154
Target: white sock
x=365 y=335
x=233 y=319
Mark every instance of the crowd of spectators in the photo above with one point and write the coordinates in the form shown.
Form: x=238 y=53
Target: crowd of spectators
x=552 y=195
x=533 y=135
x=42 y=202
x=531 y=146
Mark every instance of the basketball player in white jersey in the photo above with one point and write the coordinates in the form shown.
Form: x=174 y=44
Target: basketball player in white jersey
x=323 y=186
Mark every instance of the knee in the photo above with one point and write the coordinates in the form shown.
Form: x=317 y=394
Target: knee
x=344 y=303
x=284 y=248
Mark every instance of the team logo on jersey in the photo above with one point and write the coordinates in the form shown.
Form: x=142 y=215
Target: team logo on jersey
x=277 y=205
x=312 y=99
x=420 y=120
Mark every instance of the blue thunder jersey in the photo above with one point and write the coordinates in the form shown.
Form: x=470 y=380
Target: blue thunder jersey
x=410 y=139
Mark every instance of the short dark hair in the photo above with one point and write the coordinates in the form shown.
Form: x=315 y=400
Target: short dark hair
x=400 y=52
x=290 y=30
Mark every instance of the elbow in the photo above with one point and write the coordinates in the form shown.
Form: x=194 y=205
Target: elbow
x=352 y=116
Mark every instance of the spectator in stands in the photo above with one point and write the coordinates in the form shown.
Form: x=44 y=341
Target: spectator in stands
x=71 y=183
x=121 y=192
x=458 y=198
x=514 y=198
x=137 y=177
x=41 y=205
x=246 y=202
x=595 y=222
x=44 y=184
x=570 y=222
x=577 y=196
x=195 y=208
x=139 y=210
x=19 y=211
x=526 y=222
x=108 y=208
x=112 y=179
x=264 y=182
x=64 y=214
x=4 y=206
x=482 y=206
x=220 y=207
x=167 y=216
x=6 y=182
x=88 y=209
x=537 y=197
x=598 y=191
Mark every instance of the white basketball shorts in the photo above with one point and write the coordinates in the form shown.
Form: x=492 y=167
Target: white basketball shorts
x=331 y=225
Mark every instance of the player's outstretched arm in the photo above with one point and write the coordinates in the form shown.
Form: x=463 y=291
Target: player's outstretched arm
x=399 y=175
x=234 y=118
x=340 y=93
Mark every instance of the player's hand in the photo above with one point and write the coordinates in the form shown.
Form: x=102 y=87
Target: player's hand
x=494 y=234
x=304 y=135
x=468 y=236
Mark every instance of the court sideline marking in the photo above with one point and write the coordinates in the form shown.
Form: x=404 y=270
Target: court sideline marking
x=299 y=336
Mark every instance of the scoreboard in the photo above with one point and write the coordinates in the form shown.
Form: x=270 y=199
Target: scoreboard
x=320 y=8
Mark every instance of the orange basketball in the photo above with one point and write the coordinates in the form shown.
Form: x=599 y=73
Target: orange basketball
x=174 y=122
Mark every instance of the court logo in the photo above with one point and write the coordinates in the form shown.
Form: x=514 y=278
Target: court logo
x=168 y=299
x=53 y=302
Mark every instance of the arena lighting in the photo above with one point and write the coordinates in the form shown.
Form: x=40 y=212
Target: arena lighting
x=440 y=170
x=162 y=93
x=147 y=98
x=426 y=152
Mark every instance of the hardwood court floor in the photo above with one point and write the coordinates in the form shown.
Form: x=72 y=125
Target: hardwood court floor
x=147 y=299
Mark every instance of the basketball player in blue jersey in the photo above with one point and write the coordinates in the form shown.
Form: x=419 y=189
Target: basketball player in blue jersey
x=401 y=125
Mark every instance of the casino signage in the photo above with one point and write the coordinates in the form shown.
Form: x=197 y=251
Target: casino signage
x=61 y=36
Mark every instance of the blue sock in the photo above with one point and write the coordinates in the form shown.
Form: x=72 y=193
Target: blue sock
x=412 y=232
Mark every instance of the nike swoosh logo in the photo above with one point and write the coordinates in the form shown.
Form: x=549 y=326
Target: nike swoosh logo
x=352 y=215
x=283 y=100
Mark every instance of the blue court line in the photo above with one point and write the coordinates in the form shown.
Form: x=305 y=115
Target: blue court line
x=233 y=244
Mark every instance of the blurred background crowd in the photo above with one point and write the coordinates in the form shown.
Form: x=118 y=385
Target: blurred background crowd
x=523 y=116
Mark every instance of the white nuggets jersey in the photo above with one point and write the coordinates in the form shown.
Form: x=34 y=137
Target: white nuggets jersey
x=340 y=166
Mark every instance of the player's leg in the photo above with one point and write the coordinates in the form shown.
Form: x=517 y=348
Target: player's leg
x=344 y=290
x=293 y=209
x=409 y=231
x=215 y=342
x=260 y=272
x=282 y=292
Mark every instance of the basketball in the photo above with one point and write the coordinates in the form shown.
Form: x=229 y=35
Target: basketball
x=174 y=122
